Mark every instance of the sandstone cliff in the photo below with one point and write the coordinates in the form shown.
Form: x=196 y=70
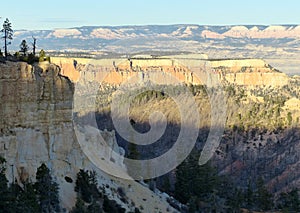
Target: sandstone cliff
x=37 y=127
x=179 y=69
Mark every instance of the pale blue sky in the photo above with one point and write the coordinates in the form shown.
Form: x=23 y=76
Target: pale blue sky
x=50 y=14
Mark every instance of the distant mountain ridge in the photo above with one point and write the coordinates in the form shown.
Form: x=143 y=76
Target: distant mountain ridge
x=233 y=41
x=117 y=32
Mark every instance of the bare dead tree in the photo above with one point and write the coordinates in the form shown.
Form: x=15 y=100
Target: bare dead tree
x=33 y=45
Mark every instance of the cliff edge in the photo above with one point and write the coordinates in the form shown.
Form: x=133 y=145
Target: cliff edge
x=37 y=127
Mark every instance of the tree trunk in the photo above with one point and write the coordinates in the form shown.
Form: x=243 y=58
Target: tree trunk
x=5 y=43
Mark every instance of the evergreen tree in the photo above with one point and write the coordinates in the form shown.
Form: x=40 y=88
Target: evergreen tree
x=289 y=202
x=263 y=197
x=87 y=192
x=249 y=196
x=33 y=45
x=32 y=58
x=8 y=33
x=23 y=200
x=87 y=186
x=27 y=201
x=47 y=190
x=14 y=192
x=79 y=207
x=24 y=47
x=133 y=151
x=94 y=207
x=111 y=206
x=195 y=180
x=4 y=192
x=183 y=184
x=235 y=201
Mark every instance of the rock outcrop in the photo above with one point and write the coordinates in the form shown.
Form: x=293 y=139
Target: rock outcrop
x=37 y=127
x=175 y=70
x=36 y=121
x=258 y=79
x=248 y=72
x=117 y=71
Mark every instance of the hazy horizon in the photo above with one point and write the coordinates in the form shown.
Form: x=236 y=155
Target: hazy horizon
x=59 y=14
x=174 y=24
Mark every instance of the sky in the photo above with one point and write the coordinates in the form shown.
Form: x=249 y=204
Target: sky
x=53 y=14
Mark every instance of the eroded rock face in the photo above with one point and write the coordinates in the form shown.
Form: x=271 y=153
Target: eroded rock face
x=36 y=106
x=244 y=72
x=257 y=79
x=36 y=124
x=31 y=96
x=249 y=72
x=36 y=120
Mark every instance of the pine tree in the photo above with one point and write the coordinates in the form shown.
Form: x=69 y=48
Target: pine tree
x=263 y=197
x=235 y=201
x=15 y=198
x=88 y=195
x=27 y=199
x=79 y=207
x=133 y=153
x=87 y=186
x=249 y=200
x=289 y=202
x=47 y=190
x=33 y=45
x=94 y=207
x=14 y=192
x=8 y=195
x=195 y=180
x=8 y=33
x=24 y=47
x=4 y=192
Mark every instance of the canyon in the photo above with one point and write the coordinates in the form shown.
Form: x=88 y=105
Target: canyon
x=46 y=109
x=37 y=127
x=257 y=131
